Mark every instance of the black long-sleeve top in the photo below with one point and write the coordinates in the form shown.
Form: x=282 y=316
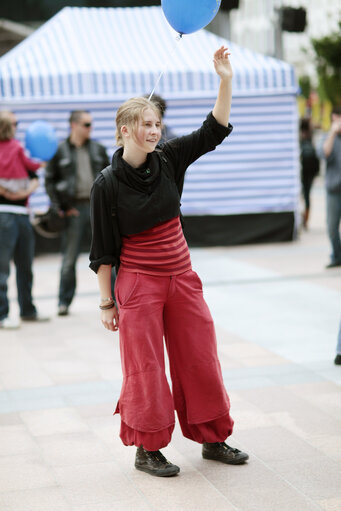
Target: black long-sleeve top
x=149 y=195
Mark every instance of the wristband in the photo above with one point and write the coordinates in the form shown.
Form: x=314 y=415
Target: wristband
x=109 y=299
x=107 y=306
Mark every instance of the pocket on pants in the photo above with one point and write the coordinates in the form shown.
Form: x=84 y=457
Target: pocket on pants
x=126 y=283
x=197 y=284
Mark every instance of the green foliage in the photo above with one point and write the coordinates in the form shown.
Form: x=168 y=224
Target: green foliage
x=305 y=86
x=328 y=59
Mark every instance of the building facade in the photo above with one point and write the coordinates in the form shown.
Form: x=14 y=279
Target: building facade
x=253 y=26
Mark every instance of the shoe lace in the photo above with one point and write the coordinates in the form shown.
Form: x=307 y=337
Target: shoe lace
x=157 y=456
x=228 y=448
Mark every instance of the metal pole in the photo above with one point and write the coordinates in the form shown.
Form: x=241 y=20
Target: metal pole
x=221 y=25
x=278 y=35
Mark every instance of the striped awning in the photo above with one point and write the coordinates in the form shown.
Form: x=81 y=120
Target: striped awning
x=121 y=51
x=255 y=170
x=87 y=58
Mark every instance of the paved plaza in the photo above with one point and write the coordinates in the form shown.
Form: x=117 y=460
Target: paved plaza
x=276 y=311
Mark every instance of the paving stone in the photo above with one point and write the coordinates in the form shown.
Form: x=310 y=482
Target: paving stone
x=319 y=479
x=331 y=504
x=24 y=379
x=15 y=439
x=41 y=499
x=276 y=311
x=275 y=443
x=26 y=476
x=52 y=421
x=72 y=449
x=96 y=483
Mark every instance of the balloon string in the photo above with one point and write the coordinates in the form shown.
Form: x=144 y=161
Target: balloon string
x=178 y=37
x=156 y=84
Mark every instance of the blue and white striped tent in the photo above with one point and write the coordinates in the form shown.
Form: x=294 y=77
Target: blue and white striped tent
x=94 y=58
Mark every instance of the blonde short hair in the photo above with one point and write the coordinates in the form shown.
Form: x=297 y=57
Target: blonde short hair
x=130 y=112
x=6 y=126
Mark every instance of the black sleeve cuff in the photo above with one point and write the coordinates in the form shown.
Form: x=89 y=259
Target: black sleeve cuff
x=214 y=124
x=94 y=265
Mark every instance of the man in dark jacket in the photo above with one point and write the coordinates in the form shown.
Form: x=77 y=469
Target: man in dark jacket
x=68 y=181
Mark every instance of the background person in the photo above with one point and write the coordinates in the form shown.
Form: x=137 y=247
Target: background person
x=68 y=180
x=166 y=132
x=17 y=181
x=310 y=164
x=157 y=293
x=337 y=360
x=331 y=151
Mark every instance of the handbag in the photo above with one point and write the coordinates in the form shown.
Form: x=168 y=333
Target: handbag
x=49 y=224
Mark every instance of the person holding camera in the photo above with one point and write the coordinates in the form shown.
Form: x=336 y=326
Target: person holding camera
x=331 y=151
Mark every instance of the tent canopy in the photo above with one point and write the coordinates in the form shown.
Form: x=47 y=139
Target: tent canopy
x=121 y=51
x=93 y=58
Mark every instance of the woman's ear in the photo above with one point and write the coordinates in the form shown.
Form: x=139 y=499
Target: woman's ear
x=125 y=131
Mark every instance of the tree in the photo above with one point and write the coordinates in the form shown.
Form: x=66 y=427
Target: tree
x=328 y=59
x=305 y=86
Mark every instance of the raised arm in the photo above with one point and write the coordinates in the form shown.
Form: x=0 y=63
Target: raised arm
x=183 y=151
x=330 y=140
x=222 y=65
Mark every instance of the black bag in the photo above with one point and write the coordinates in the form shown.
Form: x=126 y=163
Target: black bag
x=111 y=190
x=49 y=224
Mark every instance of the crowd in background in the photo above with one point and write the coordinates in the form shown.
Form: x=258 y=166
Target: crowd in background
x=68 y=179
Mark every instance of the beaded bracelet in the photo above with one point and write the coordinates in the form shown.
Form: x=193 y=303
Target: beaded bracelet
x=107 y=306
x=109 y=299
x=107 y=303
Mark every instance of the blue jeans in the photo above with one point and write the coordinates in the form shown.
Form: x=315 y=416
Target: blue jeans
x=71 y=246
x=333 y=223
x=338 y=347
x=17 y=243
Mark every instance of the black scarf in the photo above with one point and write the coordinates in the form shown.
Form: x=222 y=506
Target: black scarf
x=147 y=196
x=144 y=178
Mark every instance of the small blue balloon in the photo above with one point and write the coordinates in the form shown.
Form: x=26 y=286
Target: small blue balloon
x=41 y=140
x=187 y=16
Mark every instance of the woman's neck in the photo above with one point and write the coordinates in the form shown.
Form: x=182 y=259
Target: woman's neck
x=134 y=158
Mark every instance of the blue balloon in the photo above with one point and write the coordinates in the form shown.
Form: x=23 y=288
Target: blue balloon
x=41 y=140
x=187 y=16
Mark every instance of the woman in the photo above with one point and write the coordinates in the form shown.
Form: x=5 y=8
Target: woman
x=17 y=181
x=157 y=293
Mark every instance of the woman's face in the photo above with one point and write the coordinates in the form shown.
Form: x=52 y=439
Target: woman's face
x=147 y=132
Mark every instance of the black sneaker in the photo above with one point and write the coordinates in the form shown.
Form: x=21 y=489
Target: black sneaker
x=36 y=318
x=333 y=264
x=337 y=360
x=154 y=463
x=220 y=451
x=63 y=310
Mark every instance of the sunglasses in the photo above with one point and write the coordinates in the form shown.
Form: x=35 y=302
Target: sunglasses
x=86 y=125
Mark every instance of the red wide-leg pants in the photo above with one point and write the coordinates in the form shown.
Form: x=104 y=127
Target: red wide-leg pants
x=172 y=307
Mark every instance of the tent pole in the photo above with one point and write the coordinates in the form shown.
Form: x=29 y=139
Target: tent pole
x=278 y=34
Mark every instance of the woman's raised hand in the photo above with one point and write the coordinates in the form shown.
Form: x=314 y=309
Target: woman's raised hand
x=222 y=63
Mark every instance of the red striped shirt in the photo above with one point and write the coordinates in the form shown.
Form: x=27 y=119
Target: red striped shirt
x=161 y=250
